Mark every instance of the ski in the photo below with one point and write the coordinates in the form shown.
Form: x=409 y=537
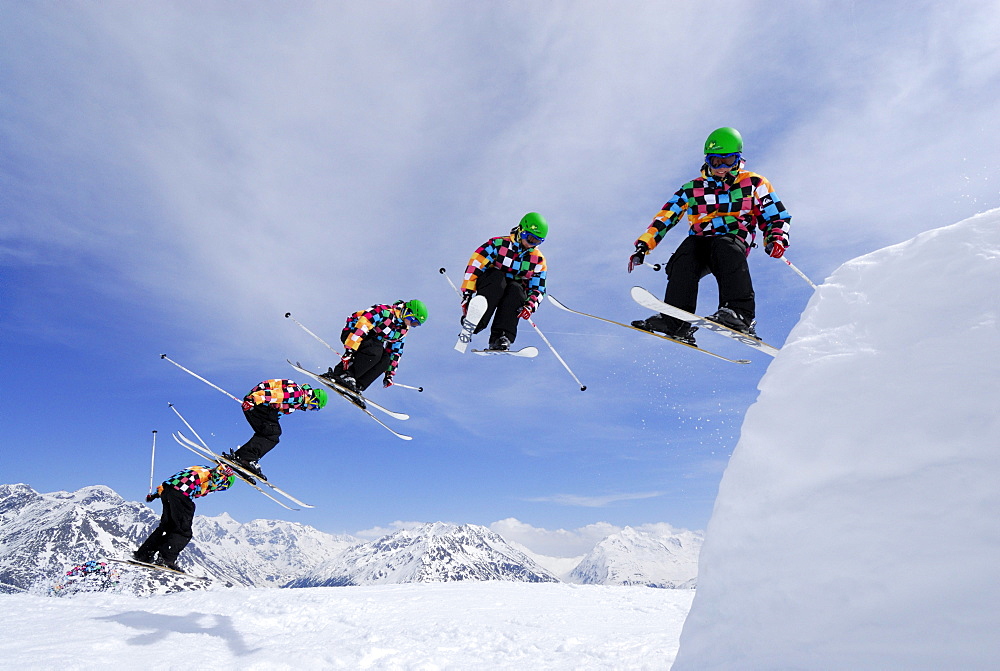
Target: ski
x=237 y=468
x=157 y=567
x=246 y=477
x=648 y=300
x=344 y=391
x=474 y=312
x=658 y=335
x=528 y=352
x=352 y=398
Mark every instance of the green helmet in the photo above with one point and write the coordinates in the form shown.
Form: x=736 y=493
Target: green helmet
x=724 y=140
x=320 y=397
x=536 y=225
x=417 y=309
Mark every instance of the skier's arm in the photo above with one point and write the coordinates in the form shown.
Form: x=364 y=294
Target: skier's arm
x=395 y=353
x=775 y=219
x=481 y=259
x=664 y=220
x=536 y=291
x=361 y=329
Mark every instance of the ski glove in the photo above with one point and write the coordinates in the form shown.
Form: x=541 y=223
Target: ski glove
x=775 y=249
x=152 y=497
x=466 y=299
x=345 y=361
x=640 y=255
x=525 y=312
x=247 y=405
x=387 y=381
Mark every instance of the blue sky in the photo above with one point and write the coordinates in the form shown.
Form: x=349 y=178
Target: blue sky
x=176 y=177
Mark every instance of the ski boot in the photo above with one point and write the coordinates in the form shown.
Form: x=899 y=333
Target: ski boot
x=352 y=393
x=501 y=344
x=347 y=381
x=728 y=317
x=168 y=564
x=143 y=557
x=248 y=466
x=658 y=323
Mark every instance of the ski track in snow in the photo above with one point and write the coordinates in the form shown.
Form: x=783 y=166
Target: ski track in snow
x=484 y=625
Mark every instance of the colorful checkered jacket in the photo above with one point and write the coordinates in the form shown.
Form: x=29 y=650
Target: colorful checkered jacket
x=194 y=482
x=737 y=204
x=283 y=395
x=525 y=265
x=385 y=323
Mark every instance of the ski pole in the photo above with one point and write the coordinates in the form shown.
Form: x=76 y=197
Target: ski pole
x=406 y=386
x=288 y=315
x=176 y=412
x=583 y=387
x=445 y=273
x=164 y=356
x=800 y=273
x=152 y=463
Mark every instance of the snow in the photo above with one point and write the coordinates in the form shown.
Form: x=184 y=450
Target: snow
x=855 y=526
x=494 y=625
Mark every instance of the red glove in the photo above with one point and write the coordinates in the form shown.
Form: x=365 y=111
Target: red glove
x=345 y=361
x=640 y=254
x=387 y=381
x=466 y=299
x=247 y=405
x=775 y=249
x=525 y=313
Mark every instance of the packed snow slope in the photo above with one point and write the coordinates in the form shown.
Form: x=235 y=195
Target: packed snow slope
x=463 y=625
x=856 y=524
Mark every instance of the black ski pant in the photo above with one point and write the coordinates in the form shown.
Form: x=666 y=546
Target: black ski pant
x=263 y=419
x=370 y=360
x=725 y=257
x=174 y=531
x=504 y=299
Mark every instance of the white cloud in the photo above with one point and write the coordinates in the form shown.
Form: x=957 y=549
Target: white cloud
x=594 y=501
x=566 y=542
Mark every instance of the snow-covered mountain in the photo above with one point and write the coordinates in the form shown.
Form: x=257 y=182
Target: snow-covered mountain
x=636 y=557
x=437 y=552
x=41 y=535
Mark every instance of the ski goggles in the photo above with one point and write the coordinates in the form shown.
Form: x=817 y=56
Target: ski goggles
x=531 y=239
x=410 y=318
x=716 y=161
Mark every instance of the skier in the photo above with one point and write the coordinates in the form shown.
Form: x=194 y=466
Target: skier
x=725 y=206
x=177 y=494
x=510 y=272
x=262 y=407
x=374 y=340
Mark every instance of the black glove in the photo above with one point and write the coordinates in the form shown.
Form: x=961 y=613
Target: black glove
x=152 y=497
x=347 y=358
x=641 y=249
